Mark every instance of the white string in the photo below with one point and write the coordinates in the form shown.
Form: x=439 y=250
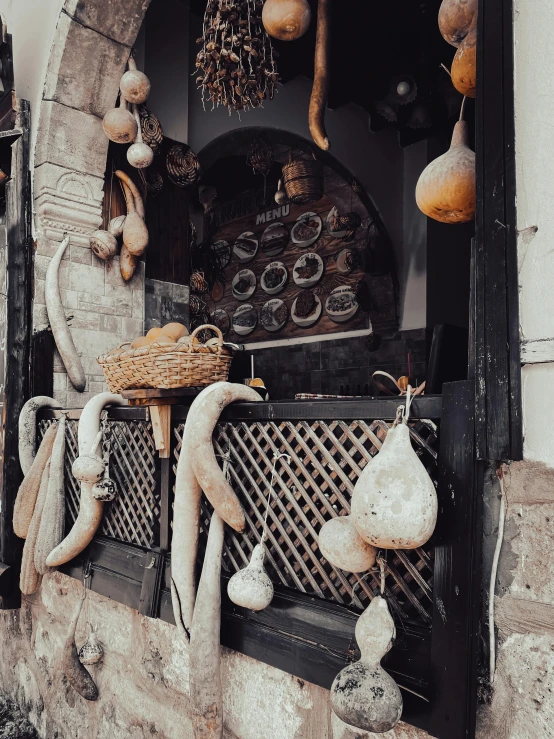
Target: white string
x=494 y=570
x=276 y=458
x=382 y=566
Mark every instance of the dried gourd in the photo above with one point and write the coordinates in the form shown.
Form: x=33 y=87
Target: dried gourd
x=53 y=515
x=455 y=19
x=139 y=155
x=77 y=676
x=58 y=322
x=205 y=652
x=27 y=430
x=464 y=64
x=90 y=509
x=320 y=89
x=394 y=504
x=135 y=232
x=119 y=124
x=134 y=85
x=343 y=547
x=29 y=578
x=28 y=490
x=286 y=20
x=103 y=244
x=445 y=190
x=251 y=587
x=363 y=694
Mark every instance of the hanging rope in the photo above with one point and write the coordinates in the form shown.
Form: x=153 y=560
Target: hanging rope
x=276 y=458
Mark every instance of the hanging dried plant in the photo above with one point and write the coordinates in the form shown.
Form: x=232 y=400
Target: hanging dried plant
x=236 y=63
x=260 y=157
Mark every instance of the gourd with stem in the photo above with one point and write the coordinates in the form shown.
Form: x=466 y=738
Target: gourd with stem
x=394 y=503
x=27 y=429
x=134 y=85
x=76 y=674
x=119 y=124
x=139 y=155
x=286 y=20
x=363 y=695
x=455 y=19
x=445 y=190
x=464 y=64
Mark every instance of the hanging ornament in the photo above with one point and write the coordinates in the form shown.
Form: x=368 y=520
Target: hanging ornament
x=343 y=547
x=251 y=587
x=402 y=90
x=236 y=63
x=445 y=190
x=455 y=19
x=91 y=652
x=394 y=504
x=464 y=64
x=286 y=20
x=281 y=197
x=183 y=167
x=363 y=695
x=198 y=283
x=260 y=158
x=152 y=131
x=106 y=489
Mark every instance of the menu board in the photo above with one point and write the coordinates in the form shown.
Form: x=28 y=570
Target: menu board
x=290 y=272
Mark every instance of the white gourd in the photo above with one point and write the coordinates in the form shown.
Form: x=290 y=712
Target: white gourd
x=343 y=547
x=394 y=504
x=251 y=587
x=91 y=652
x=363 y=695
x=27 y=441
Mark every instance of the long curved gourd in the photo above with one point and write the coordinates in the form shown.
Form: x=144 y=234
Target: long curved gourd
x=320 y=89
x=52 y=520
x=363 y=694
x=90 y=509
x=205 y=651
x=27 y=494
x=138 y=202
x=30 y=577
x=198 y=470
x=28 y=429
x=58 y=323
x=77 y=675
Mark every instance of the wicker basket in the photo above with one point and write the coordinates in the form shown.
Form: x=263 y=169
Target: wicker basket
x=165 y=366
x=303 y=180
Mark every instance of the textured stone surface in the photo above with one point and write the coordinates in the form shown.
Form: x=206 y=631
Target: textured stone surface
x=84 y=68
x=120 y=20
x=71 y=139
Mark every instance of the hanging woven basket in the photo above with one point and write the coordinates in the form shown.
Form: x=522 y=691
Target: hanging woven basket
x=303 y=179
x=151 y=128
x=183 y=167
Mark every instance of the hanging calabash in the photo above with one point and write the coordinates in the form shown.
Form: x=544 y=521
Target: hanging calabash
x=446 y=188
x=139 y=154
x=343 y=547
x=251 y=587
x=134 y=85
x=119 y=124
x=286 y=20
x=464 y=64
x=455 y=19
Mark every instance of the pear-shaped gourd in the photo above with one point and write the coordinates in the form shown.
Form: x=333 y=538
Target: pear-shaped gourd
x=286 y=20
x=455 y=19
x=91 y=652
x=343 y=547
x=115 y=226
x=88 y=468
x=446 y=188
x=119 y=124
x=251 y=588
x=134 y=85
x=464 y=64
x=363 y=694
x=139 y=155
x=135 y=232
x=394 y=504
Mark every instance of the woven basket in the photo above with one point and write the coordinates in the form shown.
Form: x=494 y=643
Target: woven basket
x=165 y=366
x=183 y=167
x=303 y=180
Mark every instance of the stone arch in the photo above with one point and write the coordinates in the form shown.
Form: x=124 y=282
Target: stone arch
x=91 y=45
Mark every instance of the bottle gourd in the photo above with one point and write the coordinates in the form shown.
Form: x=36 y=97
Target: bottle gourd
x=343 y=547
x=251 y=587
x=363 y=694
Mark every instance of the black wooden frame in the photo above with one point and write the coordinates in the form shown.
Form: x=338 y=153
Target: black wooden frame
x=18 y=337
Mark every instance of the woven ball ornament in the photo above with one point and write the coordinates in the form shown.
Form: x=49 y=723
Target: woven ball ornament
x=183 y=167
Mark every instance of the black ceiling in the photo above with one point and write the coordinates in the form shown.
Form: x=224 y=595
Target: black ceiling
x=372 y=43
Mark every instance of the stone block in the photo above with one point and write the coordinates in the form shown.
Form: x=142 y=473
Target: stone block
x=113 y=274
x=40 y=317
x=39 y=292
x=110 y=324
x=83 y=275
x=81 y=255
x=60 y=382
x=132 y=327
x=92 y=343
x=79 y=53
x=71 y=138
x=120 y=20
x=84 y=319
x=138 y=304
x=70 y=298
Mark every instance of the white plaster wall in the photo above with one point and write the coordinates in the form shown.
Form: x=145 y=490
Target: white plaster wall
x=534 y=110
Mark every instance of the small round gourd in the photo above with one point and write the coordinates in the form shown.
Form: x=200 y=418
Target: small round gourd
x=103 y=244
x=88 y=468
x=363 y=694
x=281 y=197
x=139 y=155
x=343 y=547
x=91 y=652
x=135 y=86
x=104 y=490
x=464 y=65
x=455 y=19
x=115 y=226
x=251 y=587
x=119 y=124
x=286 y=20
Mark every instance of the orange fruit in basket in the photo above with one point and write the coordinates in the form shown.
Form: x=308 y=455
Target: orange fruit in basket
x=163 y=339
x=140 y=341
x=175 y=331
x=256 y=382
x=153 y=333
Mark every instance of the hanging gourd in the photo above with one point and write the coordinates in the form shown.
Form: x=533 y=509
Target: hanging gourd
x=91 y=652
x=446 y=188
x=286 y=20
x=119 y=124
x=135 y=232
x=251 y=587
x=139 y=154
x=455 y=19
x=103 y=244
x=320 y=89
x=134 y=85
x=343 y=547
x=394 y=504
x=464 y=64
x=363 y=694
